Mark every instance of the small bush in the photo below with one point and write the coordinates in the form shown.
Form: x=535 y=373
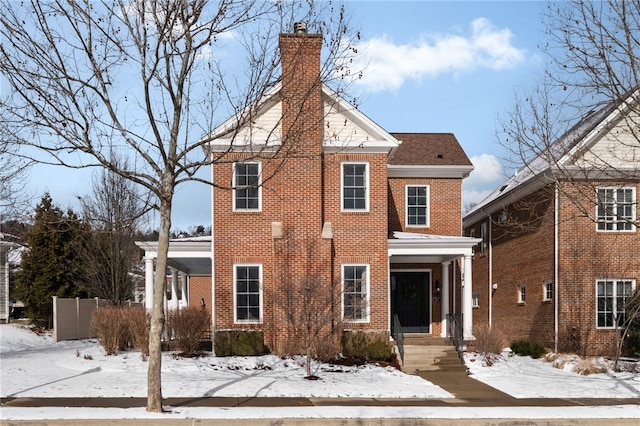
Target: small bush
x=187 y=327
x=528 y=348
x=239 y=343
x=371 y=345
x=138 y=321
x=110 y=328
x=489 y=341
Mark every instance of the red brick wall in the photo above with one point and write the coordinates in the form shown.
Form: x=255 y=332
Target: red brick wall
x=200 y=289
x=587 y=255
x=523 y=254
x=444 y=205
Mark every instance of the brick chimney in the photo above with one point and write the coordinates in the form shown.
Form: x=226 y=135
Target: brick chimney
x=301 y=91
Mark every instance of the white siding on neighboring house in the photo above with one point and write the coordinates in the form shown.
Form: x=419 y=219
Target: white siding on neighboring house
x=616 y=149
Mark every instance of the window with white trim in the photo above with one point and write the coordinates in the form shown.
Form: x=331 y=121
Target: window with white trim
x=616 y=209
x=355 y=292
x=547 y=291
x=246 y=187
x=484 y=244
x=355 y=182
x=522 y=294
x=475 y=300
x=417 y=211
x=612 y=295
x=247 y=293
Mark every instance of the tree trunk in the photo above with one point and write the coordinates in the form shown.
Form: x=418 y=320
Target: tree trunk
x=154 y=383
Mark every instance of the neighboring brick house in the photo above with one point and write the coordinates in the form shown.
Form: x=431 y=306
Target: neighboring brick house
x=308 y=189
x=559 y=257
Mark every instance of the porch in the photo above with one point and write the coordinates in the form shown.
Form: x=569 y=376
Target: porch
x=420 y=302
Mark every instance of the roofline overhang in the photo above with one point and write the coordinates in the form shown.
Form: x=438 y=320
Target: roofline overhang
x=442 y=246
x=178 y=249
x=428 y=171
x=503 y=201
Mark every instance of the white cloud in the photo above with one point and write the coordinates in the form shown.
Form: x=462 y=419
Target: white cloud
x=387 y=65
x=484 y=178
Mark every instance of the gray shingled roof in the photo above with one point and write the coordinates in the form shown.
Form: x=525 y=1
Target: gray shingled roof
x=440 y=149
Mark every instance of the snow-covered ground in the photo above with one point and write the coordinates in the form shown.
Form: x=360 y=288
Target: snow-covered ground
x=34 y=366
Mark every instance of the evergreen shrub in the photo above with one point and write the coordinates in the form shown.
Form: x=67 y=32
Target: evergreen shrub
x=528 y=348
x=369 y=345
x=239 y=343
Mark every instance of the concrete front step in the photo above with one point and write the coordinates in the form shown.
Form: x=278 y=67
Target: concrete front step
x=430 y=354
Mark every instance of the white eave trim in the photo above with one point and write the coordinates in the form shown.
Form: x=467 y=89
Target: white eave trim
x=406 y=243
x=428 y=171
x=182 y=248
x=368 y=147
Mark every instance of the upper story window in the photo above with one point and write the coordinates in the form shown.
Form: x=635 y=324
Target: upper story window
x=612 y=295
x=247 y=293
x=522 y=294
x=246 y=187
x=616 y=209
x=355 y=186
x=484 y=244
x=355 y=293
x=417 y=205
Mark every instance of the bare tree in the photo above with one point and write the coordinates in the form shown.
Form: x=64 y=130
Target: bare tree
x=593 y=70
x=13 y=172
x=147 y=78
x=113 y=211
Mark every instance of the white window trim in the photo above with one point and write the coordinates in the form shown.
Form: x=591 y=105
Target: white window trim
x=484 y=234
x=406 y=206
x=367 y=317
x=522 y=294
x=235 y=288
x=366 y=183
x=233 y=184
x=475 y=300
x=544 y=291
x=633 y=209
x=633 y=289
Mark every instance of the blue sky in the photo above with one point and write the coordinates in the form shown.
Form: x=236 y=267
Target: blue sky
x=433 y=66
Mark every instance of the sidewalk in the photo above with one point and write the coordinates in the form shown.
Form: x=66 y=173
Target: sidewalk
x=468 y=392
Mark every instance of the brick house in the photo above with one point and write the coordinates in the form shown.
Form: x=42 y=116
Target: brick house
x=557 y=261
x=309 y=189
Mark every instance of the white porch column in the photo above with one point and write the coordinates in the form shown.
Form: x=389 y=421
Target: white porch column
x=467 y=314
x=445 y=299
x=148 y=283
x=173 y=305
x=184 y=296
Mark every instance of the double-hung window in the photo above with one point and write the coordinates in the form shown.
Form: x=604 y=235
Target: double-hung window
x=417 y=205
x=246 y=187
x=616 y=209
x=355 y=182
x=547 y=291
x=612 y=295
x=355 y=291
x=248 y=293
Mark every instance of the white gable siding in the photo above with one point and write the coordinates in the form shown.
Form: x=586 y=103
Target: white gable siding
x=618 y=148
x=339 y=130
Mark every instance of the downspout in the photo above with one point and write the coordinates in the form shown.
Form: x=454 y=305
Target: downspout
x=213 y=263
x=555 y=268
x=490 y=254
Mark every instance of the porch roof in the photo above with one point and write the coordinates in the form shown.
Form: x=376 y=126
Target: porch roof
x=190 y=255
x=409 y=247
